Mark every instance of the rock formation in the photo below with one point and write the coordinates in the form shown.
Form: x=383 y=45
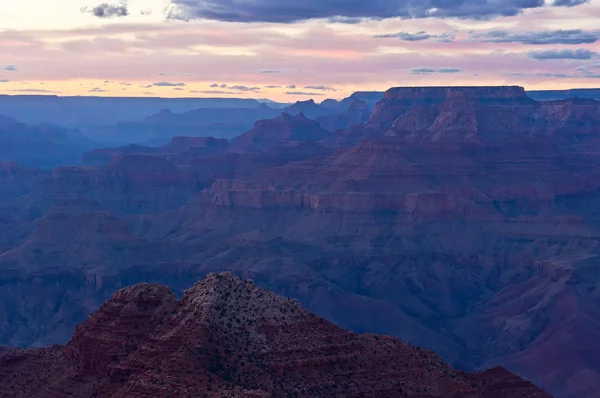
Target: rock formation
x=227 y=338
x=357 y=113
x=285 y=129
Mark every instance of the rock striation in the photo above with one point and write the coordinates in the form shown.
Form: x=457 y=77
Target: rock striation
x=228 y=338
x=475 y=114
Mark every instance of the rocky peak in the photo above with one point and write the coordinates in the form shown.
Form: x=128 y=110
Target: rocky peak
x=228 y=337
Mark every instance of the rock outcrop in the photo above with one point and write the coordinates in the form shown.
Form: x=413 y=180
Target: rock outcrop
x=357 y=113
x=475 y=114
x=226 y=337
x=285 y=129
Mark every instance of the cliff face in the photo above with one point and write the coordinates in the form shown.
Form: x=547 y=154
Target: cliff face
x=475 y=114
x=226 y=337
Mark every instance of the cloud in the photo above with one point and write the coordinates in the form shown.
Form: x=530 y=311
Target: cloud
x=125 y=84
x=214 y=85
x=244 y=88
x=96 y=90
x=351 y=12
x=427 y=71
x=418 y=36
x=168 y=84
x=574 y=36
x=292 y=86
x=421 y=35
x=580 y=53
x=106 y=10
x=302 y=93
x=32 y=90
x=269 y=71
x=346 y=20
x=449 y=70
x=4 y=80
x=272 y=86
x=214 y=92
x=10 y=68
x=321 y=88
x=422 y=71
x=542 y=74
x=178 y=89
x=569 y=3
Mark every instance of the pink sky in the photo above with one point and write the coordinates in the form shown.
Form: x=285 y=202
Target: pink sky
x=126 y=57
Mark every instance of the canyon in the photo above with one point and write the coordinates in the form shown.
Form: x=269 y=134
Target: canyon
x=462 y=220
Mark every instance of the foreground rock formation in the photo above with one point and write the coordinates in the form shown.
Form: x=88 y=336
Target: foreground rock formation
x=227 y=338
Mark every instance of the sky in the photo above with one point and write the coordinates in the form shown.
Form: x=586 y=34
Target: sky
x=289 y=51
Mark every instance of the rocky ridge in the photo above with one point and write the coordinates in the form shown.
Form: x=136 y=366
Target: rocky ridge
x=227 y=338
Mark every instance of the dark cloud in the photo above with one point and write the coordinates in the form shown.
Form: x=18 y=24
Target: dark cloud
x=106 y=10
x=269 y=71
x=272 y=86
x=449 y=70
x=291 y=86
x=574 y=36
x=321 y=88
x=4 y=80
x=421 y=35
x=168 y=84
x=569 y=3
x=580 y=53
x=422 y=71
x=542 y=74
x=427 y=71
x=244 y=88
x=214 y=85
x=96 y=90
x=418 y=36
x=10 y=68
x=178 y=89
x=302 y=93
x=345 y=11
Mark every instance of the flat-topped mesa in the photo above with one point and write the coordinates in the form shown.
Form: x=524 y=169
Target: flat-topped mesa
x=438 y=94
x=283 y=129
